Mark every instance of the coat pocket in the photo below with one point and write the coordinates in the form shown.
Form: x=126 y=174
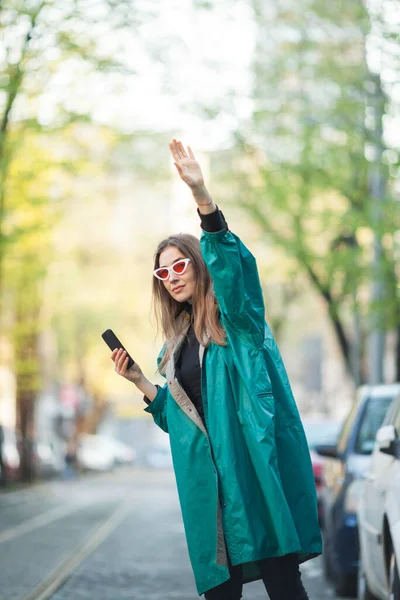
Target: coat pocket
x=266 y=401
x=265 y=397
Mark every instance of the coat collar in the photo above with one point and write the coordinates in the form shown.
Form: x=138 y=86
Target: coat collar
x=184 y=402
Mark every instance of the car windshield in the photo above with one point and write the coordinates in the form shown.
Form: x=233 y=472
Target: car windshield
x=320 y=433
x=372 y=420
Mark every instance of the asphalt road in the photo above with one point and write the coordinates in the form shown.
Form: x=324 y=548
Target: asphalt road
x=106 y=537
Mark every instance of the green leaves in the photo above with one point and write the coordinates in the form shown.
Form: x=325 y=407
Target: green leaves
x=304 y=156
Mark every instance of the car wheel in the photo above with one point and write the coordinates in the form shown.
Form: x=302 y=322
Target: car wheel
x=363 y=590
x=345 y=585
x=394 y=579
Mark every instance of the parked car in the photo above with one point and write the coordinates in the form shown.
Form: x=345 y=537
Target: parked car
x=344 y=468
x=320 y=431
x=100 y=453
x=379 y=515
x=124 y=455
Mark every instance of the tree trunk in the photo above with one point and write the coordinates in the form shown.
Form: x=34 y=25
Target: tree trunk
x=338 y=326
x=341 y=338
x=27 y=363
x=25 y=424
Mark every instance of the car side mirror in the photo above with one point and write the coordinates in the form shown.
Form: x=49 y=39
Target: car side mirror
x=327 y=450
x=387 y=441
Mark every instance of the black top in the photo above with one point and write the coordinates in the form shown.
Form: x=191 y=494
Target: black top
x=187 y=368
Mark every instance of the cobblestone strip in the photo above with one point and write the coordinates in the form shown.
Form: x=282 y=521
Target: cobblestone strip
x=29 y=559
x=51 y=584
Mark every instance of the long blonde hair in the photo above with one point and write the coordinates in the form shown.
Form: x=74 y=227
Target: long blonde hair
x=207 y=325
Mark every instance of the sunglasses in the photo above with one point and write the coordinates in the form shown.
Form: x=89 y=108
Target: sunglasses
x=178 y=267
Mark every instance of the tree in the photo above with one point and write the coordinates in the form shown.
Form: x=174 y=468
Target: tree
x=302 y=163
x=24 y=270
x=44 y=40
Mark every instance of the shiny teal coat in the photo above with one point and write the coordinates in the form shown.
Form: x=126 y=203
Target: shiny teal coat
x=246 y=483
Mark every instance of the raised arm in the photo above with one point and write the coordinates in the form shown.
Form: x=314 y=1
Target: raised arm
x=231 y=265
x=237 y=288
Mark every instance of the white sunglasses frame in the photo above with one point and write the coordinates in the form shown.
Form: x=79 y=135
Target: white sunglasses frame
x=171 y=268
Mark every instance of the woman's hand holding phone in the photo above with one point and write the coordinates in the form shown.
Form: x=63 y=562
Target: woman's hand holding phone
x=120 y=358
x=133 y=372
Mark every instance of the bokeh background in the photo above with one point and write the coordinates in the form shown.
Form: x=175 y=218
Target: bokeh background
x=292 y=108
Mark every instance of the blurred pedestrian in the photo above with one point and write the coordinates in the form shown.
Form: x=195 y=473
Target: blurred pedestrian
x=241 y=459
x=70 y=470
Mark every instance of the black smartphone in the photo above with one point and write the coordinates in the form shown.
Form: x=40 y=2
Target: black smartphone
x=113 y=342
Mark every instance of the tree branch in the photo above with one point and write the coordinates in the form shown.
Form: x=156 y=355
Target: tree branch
x=299 y=252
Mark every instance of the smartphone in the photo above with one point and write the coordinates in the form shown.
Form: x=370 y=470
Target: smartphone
x=113 y=342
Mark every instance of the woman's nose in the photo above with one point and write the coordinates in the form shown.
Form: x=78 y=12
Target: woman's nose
x=173 y=277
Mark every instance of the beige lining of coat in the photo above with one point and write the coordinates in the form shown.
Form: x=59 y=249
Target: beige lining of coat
x=184 y=402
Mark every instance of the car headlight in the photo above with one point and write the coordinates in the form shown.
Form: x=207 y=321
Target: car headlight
x=353 y=496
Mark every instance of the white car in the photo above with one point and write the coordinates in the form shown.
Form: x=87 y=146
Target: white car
x=123 y=454
x=379 y=515
x=100 y=453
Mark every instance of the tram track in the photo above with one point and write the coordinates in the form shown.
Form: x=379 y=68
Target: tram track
x=70 y=563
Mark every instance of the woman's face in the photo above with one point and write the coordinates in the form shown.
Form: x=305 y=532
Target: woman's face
x=180 y=287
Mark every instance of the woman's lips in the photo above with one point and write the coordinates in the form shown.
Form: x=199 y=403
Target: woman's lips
x=178 y=289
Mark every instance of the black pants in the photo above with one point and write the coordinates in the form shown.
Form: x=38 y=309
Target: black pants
x=281 y=577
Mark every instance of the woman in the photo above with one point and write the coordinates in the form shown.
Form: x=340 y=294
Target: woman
x=241 y=460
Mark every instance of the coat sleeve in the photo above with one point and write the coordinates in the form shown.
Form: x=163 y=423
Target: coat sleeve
x=158 y=407
x=237 y=288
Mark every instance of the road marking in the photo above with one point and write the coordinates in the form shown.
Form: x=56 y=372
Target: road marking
x=39 y=521
x=55 y=580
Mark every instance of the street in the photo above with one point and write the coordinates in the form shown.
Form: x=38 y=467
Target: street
x=105 y=537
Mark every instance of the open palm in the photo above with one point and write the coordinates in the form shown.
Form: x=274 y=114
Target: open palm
x=186 y=165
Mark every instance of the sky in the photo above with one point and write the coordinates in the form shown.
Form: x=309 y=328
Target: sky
x=181 y=56
x=207 y=57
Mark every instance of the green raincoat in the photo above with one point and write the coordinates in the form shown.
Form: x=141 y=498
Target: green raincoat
x=246 y=483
